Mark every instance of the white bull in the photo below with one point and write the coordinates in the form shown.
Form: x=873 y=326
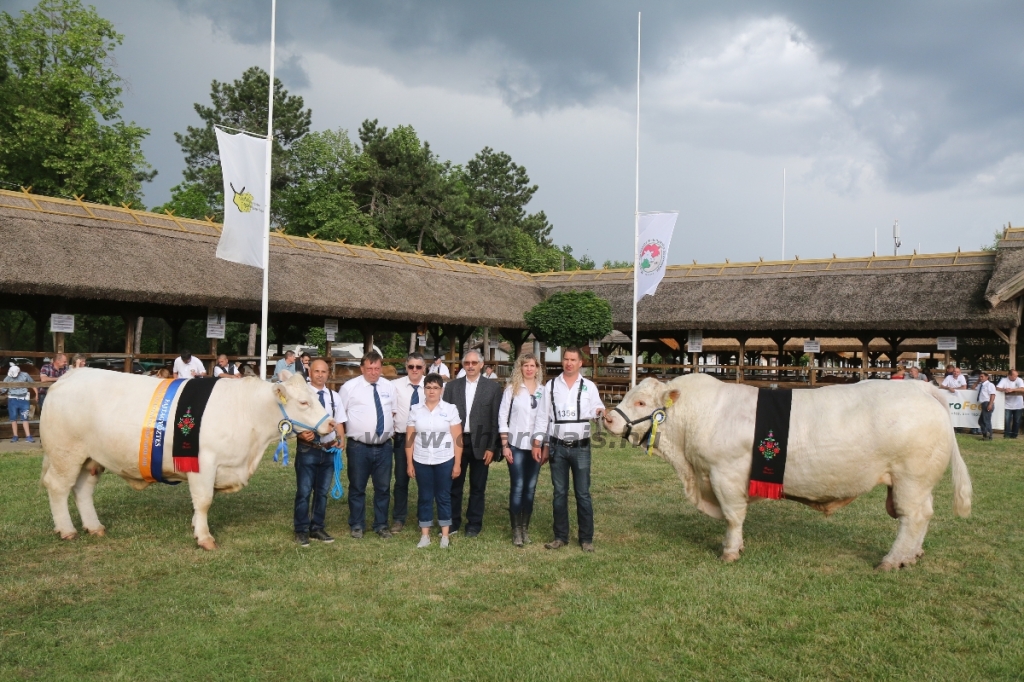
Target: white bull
x=93 y=421
x=843 y=441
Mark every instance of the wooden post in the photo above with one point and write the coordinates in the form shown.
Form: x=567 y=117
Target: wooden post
x=367 y=340
x=137 y=348
x=58 y=342
x=865 y=358
x=1013 y=347
x=129 y=342
x=213 y=352
x=810 y=368
x=741 y=361
x=454 y=355
x=250 y=348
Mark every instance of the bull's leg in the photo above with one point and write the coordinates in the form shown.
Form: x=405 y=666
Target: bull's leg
x=732 y=500
x=200 y=485
x=914 y=507
x=84 y=487
x=58 y=485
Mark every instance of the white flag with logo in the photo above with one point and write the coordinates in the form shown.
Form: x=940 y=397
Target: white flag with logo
x=655 y=237
x=243 y=162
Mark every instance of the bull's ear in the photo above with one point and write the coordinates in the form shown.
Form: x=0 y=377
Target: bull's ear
x=280 y=393
x=669 y=397
x=284 y=375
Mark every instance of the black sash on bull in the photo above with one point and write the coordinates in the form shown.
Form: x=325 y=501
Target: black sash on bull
x=771 y=439
x=188 y=422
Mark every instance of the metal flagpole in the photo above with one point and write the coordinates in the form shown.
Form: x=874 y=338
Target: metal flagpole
x=636 y=208
x=266 y=212
x=783 y=214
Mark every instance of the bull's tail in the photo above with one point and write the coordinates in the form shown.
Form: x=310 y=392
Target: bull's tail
x=961 y=481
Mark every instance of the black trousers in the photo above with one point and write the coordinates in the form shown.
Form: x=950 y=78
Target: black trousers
x=476 y=471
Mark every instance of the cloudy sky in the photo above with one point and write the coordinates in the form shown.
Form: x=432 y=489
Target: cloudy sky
x=876 y=111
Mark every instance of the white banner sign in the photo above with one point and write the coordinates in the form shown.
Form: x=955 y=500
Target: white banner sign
x=216 y=321
x=946 y=342
x=812 y=346
x=243 y=162
x=965 y=410
x=695 y=341
x=652 y=251
x=330 y=328
x=62 y=323
x=421 y=340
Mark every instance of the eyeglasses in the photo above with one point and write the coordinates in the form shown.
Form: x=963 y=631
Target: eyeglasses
x=414 y=366
x=470 y=363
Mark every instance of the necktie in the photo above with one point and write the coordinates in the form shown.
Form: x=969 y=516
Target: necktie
x=415 y=396
x=321 y=395
x=380 y=411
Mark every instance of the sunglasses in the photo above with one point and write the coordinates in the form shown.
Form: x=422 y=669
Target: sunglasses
x=470 y=363
x=414 y=366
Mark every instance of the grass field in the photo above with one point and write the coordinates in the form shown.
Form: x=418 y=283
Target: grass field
x=653 y=602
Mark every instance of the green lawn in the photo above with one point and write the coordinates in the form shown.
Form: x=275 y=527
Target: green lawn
x=654 y=601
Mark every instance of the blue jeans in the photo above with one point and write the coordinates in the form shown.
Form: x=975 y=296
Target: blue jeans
x=1011 y=426
x=400 y=492
x=366 y=461
x=435 y=485
x=577 y=460
x=313 y=471
x=985 y=421
x=522 y=481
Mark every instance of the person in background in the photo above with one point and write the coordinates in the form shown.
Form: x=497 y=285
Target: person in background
x=17 y=401
x=433 y=454
x=369 y=408
x=78 y=361
x=438 y=367
x=186 y=366
x=49 y=373
x=954 y=381
x=408 y=394
x=489 y=373
x=314 y=465
x=916 y=374
x=987 y=402
x=973 y=379
x=517 y=418
x=898 y=375
x=164 y=373
x=1013 y=386
x=225 y=369
x=302 y=366
x=285 y=363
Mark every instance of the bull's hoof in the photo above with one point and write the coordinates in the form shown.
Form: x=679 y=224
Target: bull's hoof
x=98 y=532
x=885 y=567
x=729 y=557
x=209 y=544
x=73 y=535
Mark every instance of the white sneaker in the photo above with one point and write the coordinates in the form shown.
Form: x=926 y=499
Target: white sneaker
x=424 y=542
x=444 y=542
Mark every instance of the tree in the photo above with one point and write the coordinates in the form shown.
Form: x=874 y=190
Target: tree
x=241 y=105
x=617 y=264
x=61 y=130
x=570 y=318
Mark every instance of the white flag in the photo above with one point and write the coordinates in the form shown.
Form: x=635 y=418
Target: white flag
x=243 y=162
x=655 y=237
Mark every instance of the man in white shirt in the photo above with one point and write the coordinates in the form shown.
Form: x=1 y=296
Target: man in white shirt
x=188 y=367
x=569 y=404
x=954 y=382
x=987 y=402
x=225 y=369
x=408 y=392
x=314 y=465
x=438 y=367
x=369 y=408
x=1013 y=387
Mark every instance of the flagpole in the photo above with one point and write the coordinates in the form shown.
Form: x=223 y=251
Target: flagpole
x=266 y=212
x=783 y=214
x=636 y=207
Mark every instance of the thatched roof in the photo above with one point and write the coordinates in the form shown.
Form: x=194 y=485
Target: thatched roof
x=1007 y=280
x=55 y=247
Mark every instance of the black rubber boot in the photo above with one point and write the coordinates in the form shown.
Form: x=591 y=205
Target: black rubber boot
x=517 y=530
x=524 y=525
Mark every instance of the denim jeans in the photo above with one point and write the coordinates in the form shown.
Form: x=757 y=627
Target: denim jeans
x=366 y=462
x=1012 y=419
x=400 y=491
x=314 y=469
x=476 y=471
x=434 y=482
x=577 y=460
x=985 y=421
x=522 y=481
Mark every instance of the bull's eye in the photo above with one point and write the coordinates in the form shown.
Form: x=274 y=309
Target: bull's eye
x=640 y=403
x=304 y=403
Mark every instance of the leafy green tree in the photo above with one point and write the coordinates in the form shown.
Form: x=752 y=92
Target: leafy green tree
x=570 y=318
x=617 y=264
x=242 y=105
x=189 y=201
x=61 y=130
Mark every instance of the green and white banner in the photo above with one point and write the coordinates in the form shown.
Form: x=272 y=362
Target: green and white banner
x=652 y=254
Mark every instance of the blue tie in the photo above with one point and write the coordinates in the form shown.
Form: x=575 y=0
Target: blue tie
x=415 y=396
x=322 y=403
x=380 y=411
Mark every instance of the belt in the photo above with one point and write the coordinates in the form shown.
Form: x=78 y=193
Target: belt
x=581 y=443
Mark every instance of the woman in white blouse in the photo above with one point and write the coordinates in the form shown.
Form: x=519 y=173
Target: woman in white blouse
x=516 y=418
x=433 y=451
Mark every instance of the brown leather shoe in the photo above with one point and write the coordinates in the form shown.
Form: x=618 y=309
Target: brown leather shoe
x=555 y=544
x=587 y=546
x=397 y=527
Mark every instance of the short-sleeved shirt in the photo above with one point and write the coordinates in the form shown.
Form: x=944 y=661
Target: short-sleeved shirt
x=17 y=393
x=187 y=370
x=48 y=370
x=361 y=411
x=441 y=369
x=985 y=392
x=332 y=403
x=1013 y=402
x=955 y=382
x=433 y=442
x=218 y=370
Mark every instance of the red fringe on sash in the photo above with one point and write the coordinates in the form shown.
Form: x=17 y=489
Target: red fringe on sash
x=186 y=464
x=771 y=491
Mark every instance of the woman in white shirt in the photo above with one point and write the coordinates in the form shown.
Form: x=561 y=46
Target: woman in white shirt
x=433 y=451
x=516 y=418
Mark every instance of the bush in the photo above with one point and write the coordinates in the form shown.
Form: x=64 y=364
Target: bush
x=570 y=318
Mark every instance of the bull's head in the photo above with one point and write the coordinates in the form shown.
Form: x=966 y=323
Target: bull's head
x=299 y=407
x=635 y=416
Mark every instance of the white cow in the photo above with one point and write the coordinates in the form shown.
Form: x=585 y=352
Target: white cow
x=93 y=422
x=843 y=441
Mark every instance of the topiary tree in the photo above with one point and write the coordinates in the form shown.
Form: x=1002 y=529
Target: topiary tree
x=570 y=318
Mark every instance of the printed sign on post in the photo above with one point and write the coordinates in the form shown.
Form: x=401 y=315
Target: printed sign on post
x=330 y=328
x=543 y=347
x=946 y=342
x=812 y=346
x=62 y=323
x=695 y=341
x=421 y=340
x=216 y=321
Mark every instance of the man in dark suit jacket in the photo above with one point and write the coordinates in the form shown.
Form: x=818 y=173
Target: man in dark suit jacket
x=480 y=438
